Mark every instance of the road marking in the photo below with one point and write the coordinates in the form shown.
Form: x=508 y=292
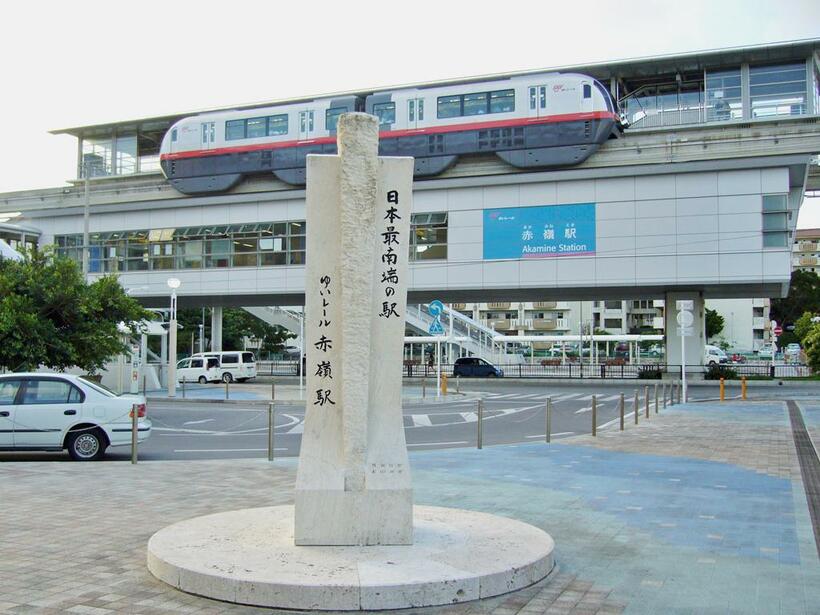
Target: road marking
x=224 y=450
x=198 y=422
x=613 y=421
x=584 y=410
x=505 y=396
x=437 y=443
x=566 y=396
x=421 y=420
x=469 y=417
x=560 y=433
x=298 y=428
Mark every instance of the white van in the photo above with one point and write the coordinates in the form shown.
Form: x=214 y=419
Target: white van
x=233 y=364
x=199 y=369
x=712 y=355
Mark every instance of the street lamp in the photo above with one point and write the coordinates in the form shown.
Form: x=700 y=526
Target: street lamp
x=173 y=284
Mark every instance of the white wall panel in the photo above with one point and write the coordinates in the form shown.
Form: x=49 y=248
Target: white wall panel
x=615 y=189
x=538 y=194
x=695 y=184
x=615 y=211
x=576 y=192
x=739 y=182
x=654 y=187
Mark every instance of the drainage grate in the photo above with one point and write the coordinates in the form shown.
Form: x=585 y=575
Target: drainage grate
x=809 y=467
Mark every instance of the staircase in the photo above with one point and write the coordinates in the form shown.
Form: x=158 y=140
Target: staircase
x=284 y=317
x=475 y=338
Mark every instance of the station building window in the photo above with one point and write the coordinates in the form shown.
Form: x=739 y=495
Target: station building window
x=723 y=95
x=778 y=90
x=262 y=244
x=775 y=221
x=428 y=237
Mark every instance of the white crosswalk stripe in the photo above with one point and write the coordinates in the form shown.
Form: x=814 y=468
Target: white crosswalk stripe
x=421 y=420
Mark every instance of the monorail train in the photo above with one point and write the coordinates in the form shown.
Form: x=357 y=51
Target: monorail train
x=536 y=121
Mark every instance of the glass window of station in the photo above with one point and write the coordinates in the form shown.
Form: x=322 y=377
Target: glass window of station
x=121 y=151
x=722 y=94
x=263 y=244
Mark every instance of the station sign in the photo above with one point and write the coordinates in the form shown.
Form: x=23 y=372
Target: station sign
x=539 y=232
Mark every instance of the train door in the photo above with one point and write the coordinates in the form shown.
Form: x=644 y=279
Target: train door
x=306 y=125
x=586 y=96
x=415 y=112
x=208 y=135
x=538 y=100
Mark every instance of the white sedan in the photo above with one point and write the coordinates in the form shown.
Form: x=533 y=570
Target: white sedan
x=60 y=411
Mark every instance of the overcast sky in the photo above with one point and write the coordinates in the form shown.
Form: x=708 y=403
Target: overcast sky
x=74 y=63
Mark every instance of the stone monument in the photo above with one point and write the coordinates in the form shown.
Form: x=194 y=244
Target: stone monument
x=353 y=540
x=353 y=482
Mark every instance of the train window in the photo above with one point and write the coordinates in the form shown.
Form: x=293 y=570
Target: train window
x=234 y=129
x=532 y=98
x=278 y=124
x=174 y=134
x=449 y=106
x=475 y=104
x=587 y=91
x=386 y=112
x=332 y=117
x=502 y=101
x=256 y=127
x=412 y=110
x=421 y=109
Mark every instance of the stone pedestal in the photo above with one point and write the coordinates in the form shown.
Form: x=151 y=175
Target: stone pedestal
x=353 y=483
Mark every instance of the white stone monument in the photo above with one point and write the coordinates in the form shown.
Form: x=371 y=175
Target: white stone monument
x=353 y=483
x=353 y=541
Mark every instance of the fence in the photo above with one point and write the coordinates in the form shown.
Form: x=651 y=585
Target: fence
x=574 y=370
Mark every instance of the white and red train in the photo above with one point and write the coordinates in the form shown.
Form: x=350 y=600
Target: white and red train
x=534 y=121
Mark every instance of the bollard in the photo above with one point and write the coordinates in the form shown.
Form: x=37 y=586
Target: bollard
x=272 y=391
x=743 y=388
x=664 y=395
x=458 y=384
x=134 y=432
x=594 y=415
x=656 y=399
x=444 y=384
x=227 y=389
x=424 y=387
x=549 y=419
x=722 y=389
x=143 y=386
x=635 y=406
x=621 y=410
x=270 y=430
x=678 y=387
x=646 y=401
x=480 y=436
x=183 y=387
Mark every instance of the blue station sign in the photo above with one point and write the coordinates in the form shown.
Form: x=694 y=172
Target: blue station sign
x=539 y=232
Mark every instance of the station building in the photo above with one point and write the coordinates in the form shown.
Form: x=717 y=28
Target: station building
x=697 y=200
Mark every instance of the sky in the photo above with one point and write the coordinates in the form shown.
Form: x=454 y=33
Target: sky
x=65 y=64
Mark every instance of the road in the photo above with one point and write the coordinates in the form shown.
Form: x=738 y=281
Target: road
x=512 y=414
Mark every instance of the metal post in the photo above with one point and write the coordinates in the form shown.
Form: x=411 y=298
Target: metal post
x=635 y=406
x=664 y=395
x=594 y=415
x=143 y=386
x=549 y=419
x=646 y=401
x=621 y=410
x=679 y=393
x=480 y=438
x=743 y=388
x=270 y=430
x=656 y=399
x=272 y=391
x=458 y=384
x=86 y=256
x=424 y=387
x=722 y=390
x=227 y=389
x=134 y=431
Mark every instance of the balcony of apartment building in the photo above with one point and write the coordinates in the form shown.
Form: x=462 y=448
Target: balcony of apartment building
x=642 y=307
x=760 y=323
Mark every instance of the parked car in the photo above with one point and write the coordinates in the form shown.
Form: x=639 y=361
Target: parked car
x=792 y=350
x=765 y=354
x=475 y=367
x=233 y=364
x=712 y=355
x=61 y=411
x=199 y=369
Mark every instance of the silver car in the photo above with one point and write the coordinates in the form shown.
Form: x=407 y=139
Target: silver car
x=60 y=411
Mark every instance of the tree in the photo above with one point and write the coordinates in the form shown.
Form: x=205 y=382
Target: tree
x=811 y=346
x=804 y=295
x=803 y=326
x=714 y=323
x=49 y=316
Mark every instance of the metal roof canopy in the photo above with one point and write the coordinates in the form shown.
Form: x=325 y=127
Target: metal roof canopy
x=629 y=68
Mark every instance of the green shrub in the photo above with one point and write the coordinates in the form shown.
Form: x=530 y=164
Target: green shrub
x=716 y=372
x=650 y=373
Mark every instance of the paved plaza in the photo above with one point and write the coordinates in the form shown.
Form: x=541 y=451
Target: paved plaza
x=700 y=509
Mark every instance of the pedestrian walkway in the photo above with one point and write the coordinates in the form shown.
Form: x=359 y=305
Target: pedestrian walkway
x=699 y=509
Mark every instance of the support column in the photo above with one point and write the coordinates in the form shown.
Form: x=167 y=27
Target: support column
x=163 y=354
x=216 y=329
x=696 y=342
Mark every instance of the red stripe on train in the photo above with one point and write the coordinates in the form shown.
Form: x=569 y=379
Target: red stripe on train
x=392 y=134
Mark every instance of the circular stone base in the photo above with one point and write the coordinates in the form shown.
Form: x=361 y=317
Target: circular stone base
x=248 y=557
